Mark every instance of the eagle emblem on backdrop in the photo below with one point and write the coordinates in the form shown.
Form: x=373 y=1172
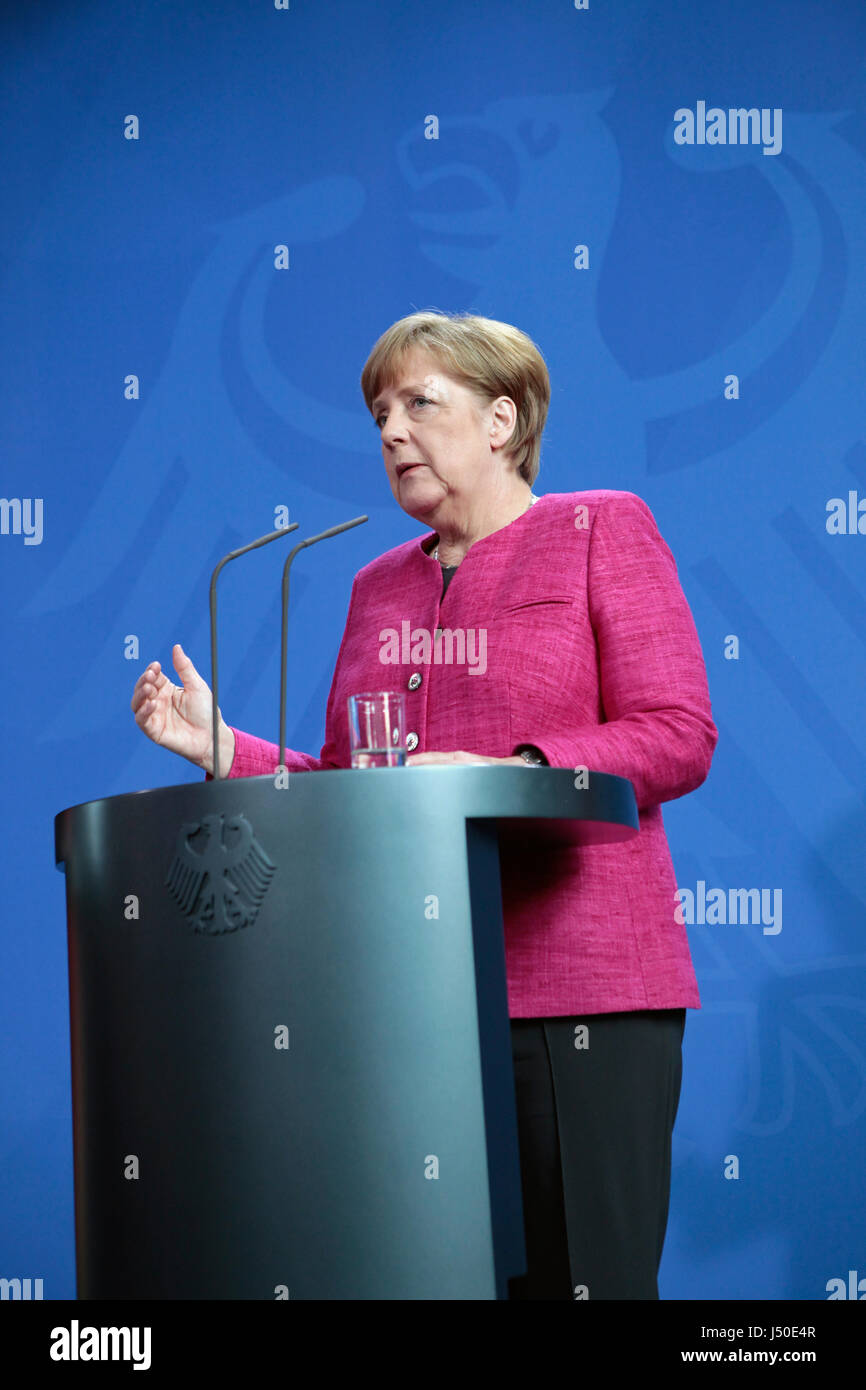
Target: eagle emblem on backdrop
x=219 y=874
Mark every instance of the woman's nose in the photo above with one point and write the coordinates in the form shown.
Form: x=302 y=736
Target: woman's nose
x=395 y=427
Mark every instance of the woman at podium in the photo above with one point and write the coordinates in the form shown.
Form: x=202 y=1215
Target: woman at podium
x=592 y=661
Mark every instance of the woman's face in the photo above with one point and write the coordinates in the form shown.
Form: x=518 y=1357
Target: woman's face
x=440 y=442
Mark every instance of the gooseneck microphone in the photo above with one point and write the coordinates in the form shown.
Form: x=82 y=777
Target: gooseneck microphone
x=311 y=540
x=232 y=555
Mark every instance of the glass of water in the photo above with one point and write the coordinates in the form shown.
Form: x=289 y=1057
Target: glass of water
x=377 y=729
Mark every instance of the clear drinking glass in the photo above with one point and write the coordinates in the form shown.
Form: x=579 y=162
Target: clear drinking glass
x=377 y=729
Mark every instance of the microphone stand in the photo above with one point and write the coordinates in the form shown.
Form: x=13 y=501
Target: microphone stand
x=311 y=540
x=232 y=555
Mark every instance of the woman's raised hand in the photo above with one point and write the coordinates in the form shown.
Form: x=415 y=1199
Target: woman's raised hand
x=178 y=717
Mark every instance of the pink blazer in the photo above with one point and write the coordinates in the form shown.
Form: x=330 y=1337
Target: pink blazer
x=577 y=639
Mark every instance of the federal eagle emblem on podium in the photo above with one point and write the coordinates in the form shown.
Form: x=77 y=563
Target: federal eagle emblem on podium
x=219 y=874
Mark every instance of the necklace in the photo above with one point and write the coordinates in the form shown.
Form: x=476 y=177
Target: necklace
x=434 y=555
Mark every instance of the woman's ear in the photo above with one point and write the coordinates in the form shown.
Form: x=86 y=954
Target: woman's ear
x=503 y=420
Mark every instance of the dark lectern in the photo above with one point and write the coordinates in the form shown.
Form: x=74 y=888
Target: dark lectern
x=291 y=1062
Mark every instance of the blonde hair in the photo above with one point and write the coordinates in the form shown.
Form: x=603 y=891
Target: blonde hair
x=491 y=358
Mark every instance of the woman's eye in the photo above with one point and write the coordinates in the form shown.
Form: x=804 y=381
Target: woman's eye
x=413 y=400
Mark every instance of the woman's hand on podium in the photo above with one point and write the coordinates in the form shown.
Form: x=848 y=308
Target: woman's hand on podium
x=418 y=759
x=179 y=717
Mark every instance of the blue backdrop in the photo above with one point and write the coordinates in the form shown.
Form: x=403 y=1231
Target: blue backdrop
x=696 y=280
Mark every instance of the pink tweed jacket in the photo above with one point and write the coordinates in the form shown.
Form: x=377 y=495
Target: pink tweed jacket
x=579 y=640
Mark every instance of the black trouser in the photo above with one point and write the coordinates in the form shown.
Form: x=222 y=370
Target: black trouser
x=595 y=1124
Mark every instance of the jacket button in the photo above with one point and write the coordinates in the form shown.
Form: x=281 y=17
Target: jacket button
x=411 y=742
x=414 y=681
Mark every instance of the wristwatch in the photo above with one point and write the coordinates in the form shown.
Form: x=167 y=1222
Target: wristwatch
x=533 y=756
